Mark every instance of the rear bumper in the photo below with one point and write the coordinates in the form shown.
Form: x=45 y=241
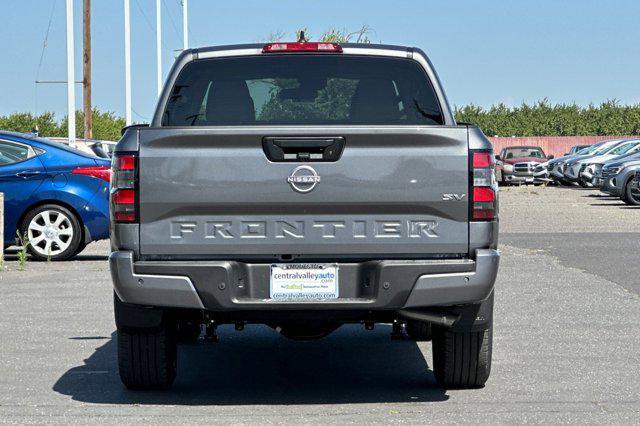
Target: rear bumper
x=95 y=215
x=227 y=286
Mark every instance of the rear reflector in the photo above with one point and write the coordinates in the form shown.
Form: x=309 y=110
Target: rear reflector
x=120 y=216
x=483 y=191
x=488 y=214
x=123 y=203
x=99 y=172
x=301 y=47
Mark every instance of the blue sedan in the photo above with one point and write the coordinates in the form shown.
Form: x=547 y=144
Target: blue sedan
x=56 y=197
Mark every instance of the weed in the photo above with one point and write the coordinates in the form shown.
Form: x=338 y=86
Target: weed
x=22 y=252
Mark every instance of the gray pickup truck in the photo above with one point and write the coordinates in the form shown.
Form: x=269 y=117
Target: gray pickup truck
x=303 y=186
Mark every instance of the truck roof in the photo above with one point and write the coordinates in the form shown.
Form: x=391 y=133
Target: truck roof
x=260 y=45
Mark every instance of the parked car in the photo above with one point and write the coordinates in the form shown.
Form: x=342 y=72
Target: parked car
x=55 y=196
x=103 y=149
x=517 y=164
x=303 y=186
x=616 y=178
x=555 y=166
x=590 y=167
x=598 y=179
x=574 y=149
x=571 y=168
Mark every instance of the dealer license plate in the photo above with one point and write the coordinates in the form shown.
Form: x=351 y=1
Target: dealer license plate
x=304 y=281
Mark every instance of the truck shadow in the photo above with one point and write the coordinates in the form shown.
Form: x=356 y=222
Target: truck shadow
x=258 y=366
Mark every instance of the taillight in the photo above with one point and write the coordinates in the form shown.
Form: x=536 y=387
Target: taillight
x=124 y=187
x=483 y=194
x=305 y=46
x=99 y=172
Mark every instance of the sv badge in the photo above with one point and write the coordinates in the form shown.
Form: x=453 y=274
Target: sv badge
x=453 y=197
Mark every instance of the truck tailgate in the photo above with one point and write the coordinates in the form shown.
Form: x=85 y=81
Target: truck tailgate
x=213 y=192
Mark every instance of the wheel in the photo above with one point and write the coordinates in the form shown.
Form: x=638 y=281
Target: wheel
x=584 y=183
x=188 y=331
x=503 y=181
x=147 y=358
x=53 y=232
x=462 y=359
x=631 y=194
x=419 y=331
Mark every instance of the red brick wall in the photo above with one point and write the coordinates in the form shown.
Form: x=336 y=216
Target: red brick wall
x=554 y=145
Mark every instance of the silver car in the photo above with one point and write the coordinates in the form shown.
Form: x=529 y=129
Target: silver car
x=574 y=167
x=556 y=166
x=617 y=180
x=591 y=167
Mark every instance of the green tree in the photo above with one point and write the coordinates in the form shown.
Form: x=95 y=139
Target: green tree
x=106 y=125
x=543 y=119
x=26 y=122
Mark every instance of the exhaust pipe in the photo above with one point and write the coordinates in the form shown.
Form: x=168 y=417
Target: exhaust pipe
x=437 y=319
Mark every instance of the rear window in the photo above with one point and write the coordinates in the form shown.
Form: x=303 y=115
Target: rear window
x=302 y=89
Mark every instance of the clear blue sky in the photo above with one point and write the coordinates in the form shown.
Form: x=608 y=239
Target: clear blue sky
x=486 y=51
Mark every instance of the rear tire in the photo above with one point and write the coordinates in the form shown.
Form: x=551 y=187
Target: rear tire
x=462 y=359
x=147 y=359
x=419 y=331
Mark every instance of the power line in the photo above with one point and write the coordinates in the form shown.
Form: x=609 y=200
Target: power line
x=44 y=46
x=173 y=23
x=146 y=19
x=46 y=38
x=141 y=116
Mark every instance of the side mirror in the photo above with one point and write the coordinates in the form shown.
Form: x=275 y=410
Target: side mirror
x=497 y=157
x=566 y=153
x=550 y=157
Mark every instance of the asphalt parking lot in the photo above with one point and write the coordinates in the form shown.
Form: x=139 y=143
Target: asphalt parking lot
x=566 y=348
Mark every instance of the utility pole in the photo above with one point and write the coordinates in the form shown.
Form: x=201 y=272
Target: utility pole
x=86 y=70
x=127 y=64
x=71 y=92
x=159 y=45
x=185 y=25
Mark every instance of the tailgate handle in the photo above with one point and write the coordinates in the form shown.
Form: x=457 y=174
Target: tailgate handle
x=303 y=148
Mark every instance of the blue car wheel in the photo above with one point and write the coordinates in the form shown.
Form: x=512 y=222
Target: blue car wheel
x=53 y=233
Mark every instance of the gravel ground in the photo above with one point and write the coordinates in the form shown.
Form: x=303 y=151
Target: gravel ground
x=548 y=210
x=566 y=349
